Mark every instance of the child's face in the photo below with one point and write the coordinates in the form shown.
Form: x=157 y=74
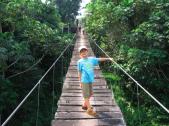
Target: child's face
x=83 y=53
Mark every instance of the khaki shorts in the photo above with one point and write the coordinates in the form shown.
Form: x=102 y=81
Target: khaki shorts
x=87 y=90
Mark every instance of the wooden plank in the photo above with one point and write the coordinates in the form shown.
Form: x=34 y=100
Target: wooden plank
x=76 y=72
x=97 y=81
x=105 y=98
x=76 y=76
x=80 y=102
x=79 y=88
x=68 y=80
x=72 y=108
x=90 y=122
x=80 y=94
x=84 y=115
x=95 y=91
x=84 y=44
x=101 y=80
x=78 y=84
x=71 y=73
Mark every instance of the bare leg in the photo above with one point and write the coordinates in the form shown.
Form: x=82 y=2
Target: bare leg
x=87 y=103
x=84 y=104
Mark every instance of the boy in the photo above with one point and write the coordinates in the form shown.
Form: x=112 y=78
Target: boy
x=85 y=68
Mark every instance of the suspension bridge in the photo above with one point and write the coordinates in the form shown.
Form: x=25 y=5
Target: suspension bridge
x=69 y=112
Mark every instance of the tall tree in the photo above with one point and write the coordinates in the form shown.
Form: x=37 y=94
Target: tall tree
x=68 y=9
x=139 y=43
x=30 y=40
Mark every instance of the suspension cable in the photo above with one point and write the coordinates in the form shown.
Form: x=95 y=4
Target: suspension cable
x=16 y=109
x=133 y=79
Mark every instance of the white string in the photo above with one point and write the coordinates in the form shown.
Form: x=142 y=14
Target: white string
x=133 y=79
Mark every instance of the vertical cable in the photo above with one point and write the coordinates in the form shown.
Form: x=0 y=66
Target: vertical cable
x=61 y=69
x=37 y=114
x=53 y=90
x=138 y=106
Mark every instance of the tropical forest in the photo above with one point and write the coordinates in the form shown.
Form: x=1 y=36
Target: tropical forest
x=33 y=34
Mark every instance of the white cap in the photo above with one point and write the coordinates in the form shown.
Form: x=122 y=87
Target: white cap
x=82 y=47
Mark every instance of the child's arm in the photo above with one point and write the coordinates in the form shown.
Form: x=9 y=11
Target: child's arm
x=105 y=59
x=79 y=76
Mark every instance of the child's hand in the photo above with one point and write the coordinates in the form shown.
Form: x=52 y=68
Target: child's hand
x=111 y=59
x=81 y=85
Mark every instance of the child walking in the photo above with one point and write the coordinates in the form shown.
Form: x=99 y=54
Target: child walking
x=85 y=68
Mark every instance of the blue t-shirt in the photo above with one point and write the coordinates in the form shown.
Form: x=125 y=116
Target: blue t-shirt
x=86 y=67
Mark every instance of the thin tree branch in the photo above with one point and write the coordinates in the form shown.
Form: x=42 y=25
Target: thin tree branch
x=13 y=63
x=163 y=73
x=26 y=69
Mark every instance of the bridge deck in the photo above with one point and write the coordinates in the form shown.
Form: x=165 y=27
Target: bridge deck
x=70 y=113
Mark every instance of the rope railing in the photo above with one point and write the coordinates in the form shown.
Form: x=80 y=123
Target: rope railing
x=20 y=104
x=133 y=79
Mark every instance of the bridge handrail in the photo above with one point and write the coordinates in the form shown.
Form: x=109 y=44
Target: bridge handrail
x=133 y=79
x=20 y=104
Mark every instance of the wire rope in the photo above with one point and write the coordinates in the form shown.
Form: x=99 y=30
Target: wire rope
x=159 y=103
x=20 y=104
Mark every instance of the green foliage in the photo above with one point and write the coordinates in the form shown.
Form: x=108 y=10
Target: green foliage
x=31 y=39
x=135 y=34
x=7 y=96
x=68 y=9
x=144 y=114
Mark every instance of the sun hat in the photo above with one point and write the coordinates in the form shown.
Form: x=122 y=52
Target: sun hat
x=82 y=47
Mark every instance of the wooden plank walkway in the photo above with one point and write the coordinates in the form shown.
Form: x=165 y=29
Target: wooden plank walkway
x=70 y=113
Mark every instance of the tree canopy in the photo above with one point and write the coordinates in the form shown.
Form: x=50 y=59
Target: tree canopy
x=136 y=34
x=31 y=38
